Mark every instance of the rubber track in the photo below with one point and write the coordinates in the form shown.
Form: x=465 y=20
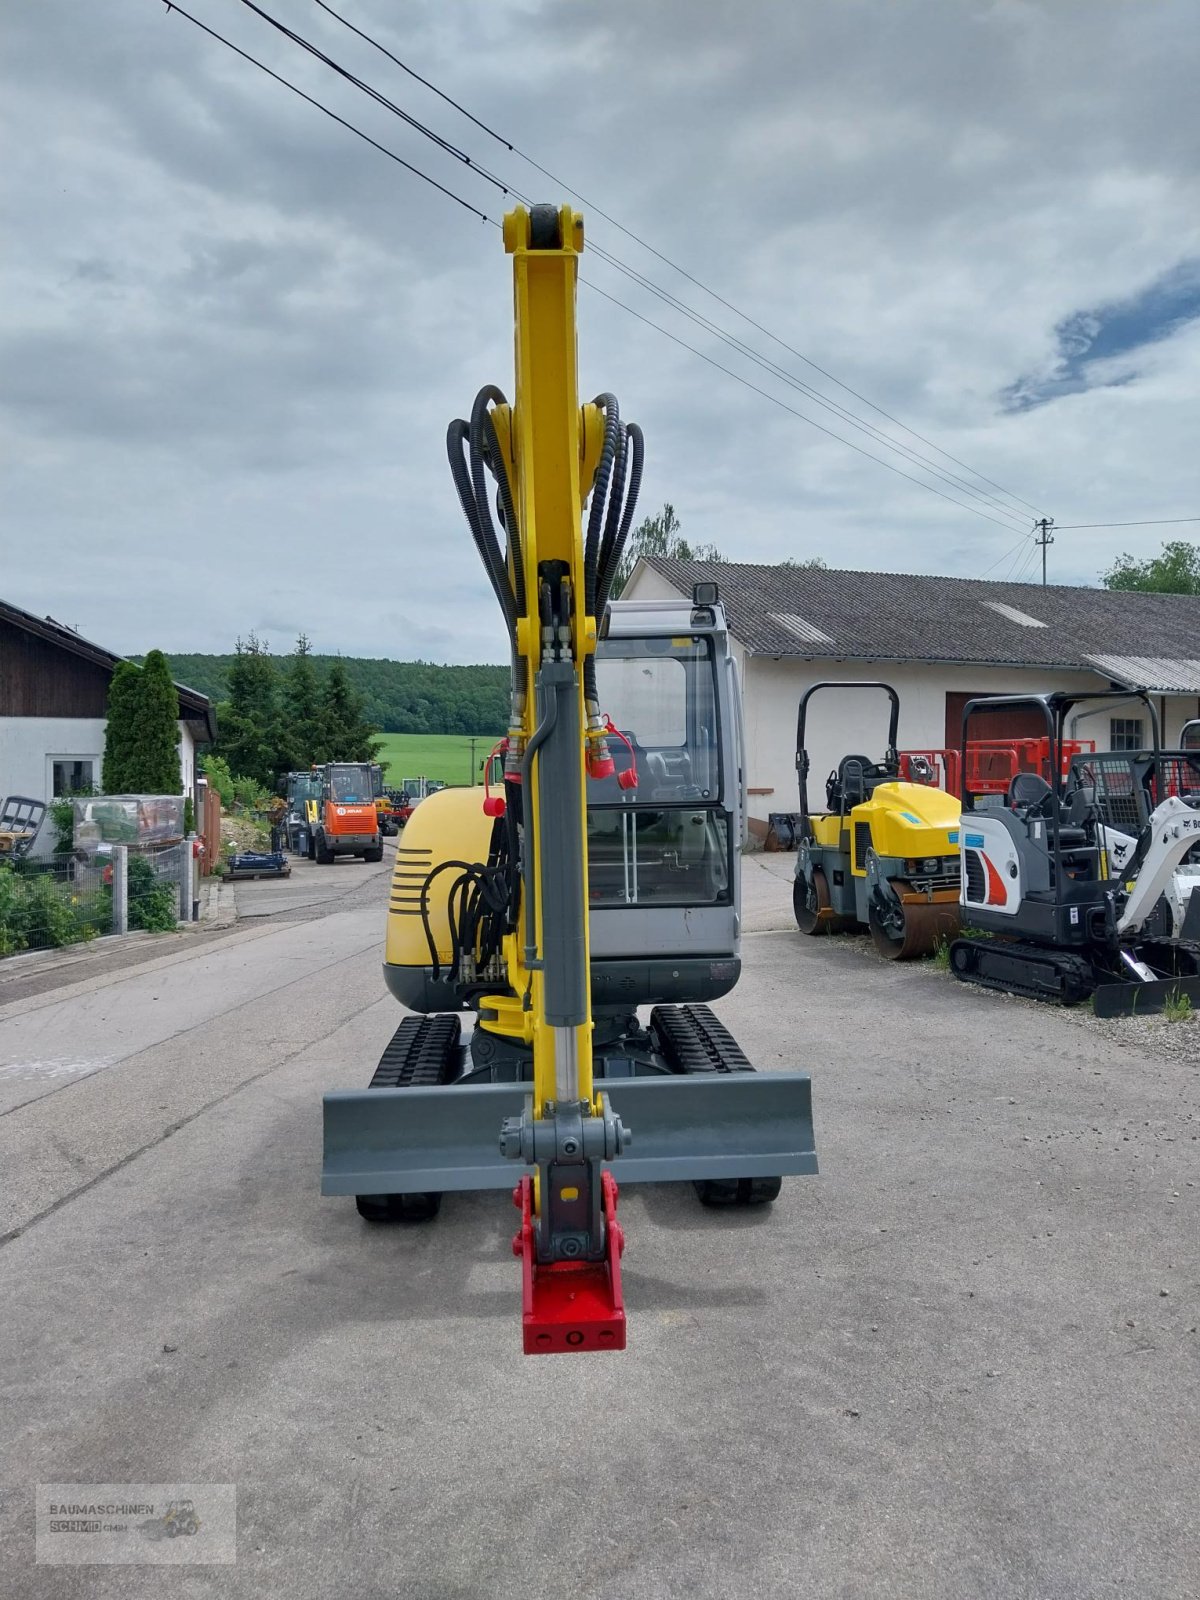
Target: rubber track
x=694 y=1041
x=422 y=1054
x=1170 y=950
x=1068 y=965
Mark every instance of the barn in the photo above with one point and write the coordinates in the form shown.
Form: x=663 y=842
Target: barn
x=939 y=642
x=53 y=700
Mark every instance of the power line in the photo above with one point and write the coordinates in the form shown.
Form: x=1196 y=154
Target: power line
x=631 y=273
x=1008 y=554
x=922 y=463
x=288 y=84
x=346 y=23
x=1154 y=522
x=783 y=405
x=381 y=99
x=1018 y=564
x=484 y=217
x=510 y=146
x=804 y=388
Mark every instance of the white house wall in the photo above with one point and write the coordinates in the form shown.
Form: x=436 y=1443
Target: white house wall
x=855 y=722
x=29 y=746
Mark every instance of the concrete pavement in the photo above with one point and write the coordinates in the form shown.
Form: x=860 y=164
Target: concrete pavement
x=947 y=1367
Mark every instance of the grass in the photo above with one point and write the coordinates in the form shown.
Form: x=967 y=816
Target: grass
x=1177 y=1007
x=444 y=756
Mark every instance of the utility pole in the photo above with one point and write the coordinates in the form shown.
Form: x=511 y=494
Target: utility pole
x=471 y=775
x=1044 y=525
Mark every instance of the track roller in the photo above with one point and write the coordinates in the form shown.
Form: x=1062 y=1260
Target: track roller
x=423 y=1053
x=694 y=1040
x=737 y=1191
x=1023 y=969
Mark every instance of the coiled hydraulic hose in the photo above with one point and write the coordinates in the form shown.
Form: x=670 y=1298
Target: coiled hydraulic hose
x=473 y=451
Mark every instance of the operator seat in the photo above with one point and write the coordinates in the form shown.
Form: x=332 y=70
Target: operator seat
x=655 y=765
x=853 y=775
x=1031 y=796
x=1028 y=792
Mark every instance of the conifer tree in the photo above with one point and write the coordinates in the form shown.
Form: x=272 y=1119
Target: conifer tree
x=304 y=703
x=253 y=735
x=120 y=731
x=348 y=734
x=154 y=758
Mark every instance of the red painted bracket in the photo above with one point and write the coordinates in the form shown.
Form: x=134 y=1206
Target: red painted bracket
x=569 y=1306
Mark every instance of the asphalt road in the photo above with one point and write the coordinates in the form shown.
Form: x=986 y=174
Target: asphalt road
x=961 y=1362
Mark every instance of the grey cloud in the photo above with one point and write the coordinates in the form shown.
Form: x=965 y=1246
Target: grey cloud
x=235 y=334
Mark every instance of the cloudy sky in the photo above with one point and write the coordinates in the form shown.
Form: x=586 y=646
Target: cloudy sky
x=234 y=333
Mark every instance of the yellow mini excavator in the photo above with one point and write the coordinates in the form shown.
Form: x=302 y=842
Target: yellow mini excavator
x=601 y=876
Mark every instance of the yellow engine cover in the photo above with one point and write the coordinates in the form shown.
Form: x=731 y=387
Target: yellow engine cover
x=909 y=819
x=829 y=831
x=449 y=825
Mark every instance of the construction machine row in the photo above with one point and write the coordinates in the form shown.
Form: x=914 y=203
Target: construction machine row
x=1045 y=867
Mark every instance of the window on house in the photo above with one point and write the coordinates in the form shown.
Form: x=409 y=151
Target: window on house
x=72 y=775
x=1126 y=733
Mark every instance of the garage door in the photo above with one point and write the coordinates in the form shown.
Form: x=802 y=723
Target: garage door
x=1012 y=723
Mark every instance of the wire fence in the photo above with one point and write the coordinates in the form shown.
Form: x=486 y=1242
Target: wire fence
x=153 y=877
x=48 y=904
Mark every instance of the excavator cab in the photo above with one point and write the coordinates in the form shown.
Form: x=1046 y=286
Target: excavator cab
x=663 y=887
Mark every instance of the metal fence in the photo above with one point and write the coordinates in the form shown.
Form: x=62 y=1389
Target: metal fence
x=48 y=904
x=154 y=888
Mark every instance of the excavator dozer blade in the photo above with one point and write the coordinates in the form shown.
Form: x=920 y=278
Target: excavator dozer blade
x=1144 y=999
x=719 y=1125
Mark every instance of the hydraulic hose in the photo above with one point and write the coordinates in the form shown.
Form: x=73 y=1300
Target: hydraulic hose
x=614 y=498
x=473 y=451
x=482 y=532
x=600 y=485
x=636 y=447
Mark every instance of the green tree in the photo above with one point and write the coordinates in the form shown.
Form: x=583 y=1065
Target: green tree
x=216 y=770
x=254 y=736
x=154 y=760
x=813 y=563
x=660 y=536
x=399 y=696
x=348 y=734
x=120 y=731
x=302 y=691
x=1175 y=571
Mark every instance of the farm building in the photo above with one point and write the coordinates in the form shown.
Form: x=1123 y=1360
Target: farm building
x=939 y=642
x=53 y=699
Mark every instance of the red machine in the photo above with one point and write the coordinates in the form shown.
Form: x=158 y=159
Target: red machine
x=991 y=763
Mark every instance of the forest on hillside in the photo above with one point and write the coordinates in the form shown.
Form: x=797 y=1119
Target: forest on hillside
x=399 y=696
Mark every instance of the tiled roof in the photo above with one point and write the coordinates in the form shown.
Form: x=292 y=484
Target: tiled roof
x=818 y=613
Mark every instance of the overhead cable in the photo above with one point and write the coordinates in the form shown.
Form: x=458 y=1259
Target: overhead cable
x=514 y=149
x=366 y=137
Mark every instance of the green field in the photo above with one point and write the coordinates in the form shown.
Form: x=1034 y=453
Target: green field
x=444 y=756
